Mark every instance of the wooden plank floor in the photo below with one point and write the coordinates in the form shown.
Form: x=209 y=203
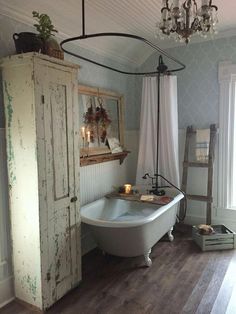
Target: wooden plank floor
x=182 y=279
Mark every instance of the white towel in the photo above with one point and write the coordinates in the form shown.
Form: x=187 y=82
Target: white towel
x=202 y=145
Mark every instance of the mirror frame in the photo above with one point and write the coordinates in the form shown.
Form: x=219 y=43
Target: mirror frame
x=104 y=93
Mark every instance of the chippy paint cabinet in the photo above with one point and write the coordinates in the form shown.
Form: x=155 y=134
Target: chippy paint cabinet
x=40 y=97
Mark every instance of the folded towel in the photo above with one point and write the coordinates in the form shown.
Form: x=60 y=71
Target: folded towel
x=202 y=145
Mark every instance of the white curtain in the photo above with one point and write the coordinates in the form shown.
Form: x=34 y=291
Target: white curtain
x=148 y=129
x=227 y=136
x=168 y=140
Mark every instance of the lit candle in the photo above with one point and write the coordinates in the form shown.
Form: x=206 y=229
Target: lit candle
x=127 y=188
x=88 y=136
x=83 y=132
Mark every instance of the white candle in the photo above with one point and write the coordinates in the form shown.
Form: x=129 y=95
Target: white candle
x=88 y=136
x=83 y=132
x=176 y=3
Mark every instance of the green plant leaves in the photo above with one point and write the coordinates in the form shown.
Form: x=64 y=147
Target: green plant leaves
x=44 y=26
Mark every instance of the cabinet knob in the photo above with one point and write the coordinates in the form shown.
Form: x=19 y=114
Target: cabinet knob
x=74 y=199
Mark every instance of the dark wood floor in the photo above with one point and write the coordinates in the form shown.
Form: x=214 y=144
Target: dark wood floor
x=182 y=279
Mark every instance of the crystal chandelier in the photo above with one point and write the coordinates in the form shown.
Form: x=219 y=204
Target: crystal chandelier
x=181 y=21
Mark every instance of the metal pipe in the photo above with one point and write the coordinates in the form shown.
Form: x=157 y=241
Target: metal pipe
x=158 y=126
x=180 y=67
x=147 y=42
x=83 y=18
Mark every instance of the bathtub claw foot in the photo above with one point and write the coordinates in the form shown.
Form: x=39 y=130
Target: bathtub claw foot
x=148 y=261
x=170 y=235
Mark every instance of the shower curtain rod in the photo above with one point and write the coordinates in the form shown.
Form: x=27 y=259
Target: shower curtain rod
x=180 y=66
x=161 y=69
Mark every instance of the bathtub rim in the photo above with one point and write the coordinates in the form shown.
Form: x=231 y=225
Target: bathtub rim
x=127 y=224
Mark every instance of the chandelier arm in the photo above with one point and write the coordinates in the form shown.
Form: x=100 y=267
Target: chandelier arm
x=167 y=4
x=180 y=67
x=214 y=6
x=165 y=8
x=186 y=5
x=195 y=3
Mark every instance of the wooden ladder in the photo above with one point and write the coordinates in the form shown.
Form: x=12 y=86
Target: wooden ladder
x=186 y=164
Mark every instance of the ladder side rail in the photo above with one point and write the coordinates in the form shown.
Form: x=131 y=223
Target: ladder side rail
x=211 y=156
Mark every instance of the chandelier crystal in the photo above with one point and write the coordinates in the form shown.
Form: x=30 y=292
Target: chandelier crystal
x=182 y=19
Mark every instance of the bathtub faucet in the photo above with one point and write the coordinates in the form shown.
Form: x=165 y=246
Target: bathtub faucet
x=155 y=190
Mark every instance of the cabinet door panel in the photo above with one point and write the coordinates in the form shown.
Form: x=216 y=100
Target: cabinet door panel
x=60 y=179
x=58 y=104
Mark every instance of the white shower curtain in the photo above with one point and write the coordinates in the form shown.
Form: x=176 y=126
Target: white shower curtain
x=168 y=140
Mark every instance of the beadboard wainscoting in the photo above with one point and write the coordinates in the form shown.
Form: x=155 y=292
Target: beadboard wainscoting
x=132 y=144
x=100 y=179
x=6 y=286
x=95 y=182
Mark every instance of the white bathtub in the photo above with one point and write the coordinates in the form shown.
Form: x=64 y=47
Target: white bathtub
x=128 y=228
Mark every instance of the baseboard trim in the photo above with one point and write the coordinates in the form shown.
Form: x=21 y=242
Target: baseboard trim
x=6 y=302
x=29 y=306
x=6 y=291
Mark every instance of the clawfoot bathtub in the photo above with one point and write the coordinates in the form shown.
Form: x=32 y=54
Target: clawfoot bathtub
x=128 y=228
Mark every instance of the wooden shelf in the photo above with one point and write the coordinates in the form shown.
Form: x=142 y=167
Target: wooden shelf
x=95 y=159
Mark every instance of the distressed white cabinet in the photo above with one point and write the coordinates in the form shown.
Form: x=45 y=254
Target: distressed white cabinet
x=40 y=98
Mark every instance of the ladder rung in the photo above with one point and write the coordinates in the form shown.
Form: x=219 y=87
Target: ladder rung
x=201 y=198
x=195 y=164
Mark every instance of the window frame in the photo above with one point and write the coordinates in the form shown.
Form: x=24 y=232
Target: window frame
x=227 y=105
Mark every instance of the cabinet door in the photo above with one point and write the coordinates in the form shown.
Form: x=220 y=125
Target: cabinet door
x=62 y=271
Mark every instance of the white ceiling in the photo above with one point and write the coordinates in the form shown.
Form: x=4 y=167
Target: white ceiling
x=129 y=16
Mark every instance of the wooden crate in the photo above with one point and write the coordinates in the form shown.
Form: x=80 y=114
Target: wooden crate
x=222 y=239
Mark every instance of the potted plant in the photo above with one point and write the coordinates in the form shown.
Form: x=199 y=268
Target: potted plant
x=46 y=32
x=27 y=42
x=44 y=26
x=41 y=42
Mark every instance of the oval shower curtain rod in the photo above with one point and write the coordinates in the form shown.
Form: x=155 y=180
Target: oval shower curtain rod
x=180 y=67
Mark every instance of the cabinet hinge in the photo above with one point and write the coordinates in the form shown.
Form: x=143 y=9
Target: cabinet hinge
x=42 y=98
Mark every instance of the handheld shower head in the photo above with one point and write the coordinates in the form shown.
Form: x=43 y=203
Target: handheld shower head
x=146 y=176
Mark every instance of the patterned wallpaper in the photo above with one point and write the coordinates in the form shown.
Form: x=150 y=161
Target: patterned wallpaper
x=7 y=29
x=198 y=89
